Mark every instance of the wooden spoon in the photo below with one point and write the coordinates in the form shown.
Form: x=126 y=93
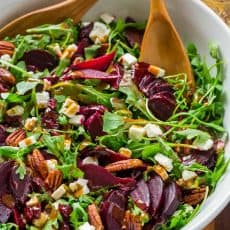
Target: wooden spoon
x=162 y=45
x=74 y=9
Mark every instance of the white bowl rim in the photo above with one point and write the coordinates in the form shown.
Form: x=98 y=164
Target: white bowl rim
x=221 y=204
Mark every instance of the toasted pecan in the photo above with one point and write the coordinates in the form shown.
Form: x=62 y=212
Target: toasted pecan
x=54 y=179
x=124 y=165
x=131 y=222
x=38 y=164
x=6 y=48
x=14 y=138
x=195 y=196
x=94 y=217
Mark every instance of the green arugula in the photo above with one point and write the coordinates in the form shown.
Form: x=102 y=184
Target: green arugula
x=111 y=122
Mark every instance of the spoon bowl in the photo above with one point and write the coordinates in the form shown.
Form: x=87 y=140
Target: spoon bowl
x=162 y=45
x=74 y=9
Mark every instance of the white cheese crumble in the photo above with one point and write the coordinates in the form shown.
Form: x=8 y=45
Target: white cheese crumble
x=128 y=60
x=77 y=120
x=107 y=18
x=136 y=132
x=153 y=130
x=30 y=123
x=59 y=192
x=207 y=145
x=70 y=108
x=99 y=33
x=188 y=175
x=86 y=226
x=27 y=141
x=90 y=160
x=80 y=184
x=164 y=161
x=42 y=99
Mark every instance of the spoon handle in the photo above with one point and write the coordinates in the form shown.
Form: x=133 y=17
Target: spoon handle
x=74 y=9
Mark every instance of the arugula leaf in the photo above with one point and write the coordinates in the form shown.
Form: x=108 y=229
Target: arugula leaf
x=201 y=137
x=23 y=87
x=78 y=216
x=9 y=152
x=21 y=171
x=113 y=141
x=8 y=226
x=64 y=62
x=91 y=51
x=112 y=122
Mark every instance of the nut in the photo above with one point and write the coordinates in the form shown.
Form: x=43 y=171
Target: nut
x=6 y=48
x=124 y=165
x=195 y=196
x=54 y=179
x=94 y=217
x=14 y=138
x=161 y=172
x=38 y=164
x=6 y=77
x=131 y=222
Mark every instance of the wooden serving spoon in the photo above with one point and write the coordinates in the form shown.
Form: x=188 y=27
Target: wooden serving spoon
x=74 y=9
x=162 y=45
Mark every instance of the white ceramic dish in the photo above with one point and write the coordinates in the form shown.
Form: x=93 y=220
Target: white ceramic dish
x=195 y=22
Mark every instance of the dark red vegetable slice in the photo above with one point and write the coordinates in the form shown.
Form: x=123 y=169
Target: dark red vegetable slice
x=18 y=219
x=117 y=197
x=99 y=63
x=40 y=59
x=20 y=188
x=156 y=187
x=162 y=105
x=172 y=197
x=65 y=210
x=100 y=177
x=94 y=125
x=141 y=195
x=85 y=31
x=88 y=110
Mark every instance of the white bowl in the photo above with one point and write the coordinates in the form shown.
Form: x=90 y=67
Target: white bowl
x=195 y=23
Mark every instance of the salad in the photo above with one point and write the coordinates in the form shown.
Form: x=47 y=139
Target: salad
x=93 y=139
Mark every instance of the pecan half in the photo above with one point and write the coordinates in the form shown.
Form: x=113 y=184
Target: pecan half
x=124 y=165
x=7 y=77
x=94 y=217
x=6 y=48
x=54 y=179
x=131 y=222
x=38 y=164
x=195 y=196
x=14 y=138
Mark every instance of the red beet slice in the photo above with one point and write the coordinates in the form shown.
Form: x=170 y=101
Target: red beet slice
x=19 y=188
x=99 y=63
x=100 y=177
x=91 y=109
x=156 y=187
x=94 y=125
x=18 y=219
x=85 y=31
x=104 y=155
x=172 y=197
x=5 y=213
x=65 y=210
x=117 y=197
x=162 y=105
x=141 y=195
x=40 y=59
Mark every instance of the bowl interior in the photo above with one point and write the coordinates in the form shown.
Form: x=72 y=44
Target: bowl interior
x=195 y=23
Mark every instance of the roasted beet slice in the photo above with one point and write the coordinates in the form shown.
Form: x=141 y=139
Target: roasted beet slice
x=100 y=63
x=40 y=59
x=65 y=210
x=19 y=188
x=139 y=71
x=31 y=213
x=117 y=197
x=82 y=44
x=141 y=195
x=162 y=105
x=94 y=125
x=206 y=158
x=172 y=197
x=134 y=36
x=85 y=31
x=18 y=219
x=100 y=177
x=145 y=82
x=3 y=135
x=104 y=155
x=5 y=213
x=50 y=119
x=5 y=172
x=112 y=216
x=91 y=109
x=156 y=187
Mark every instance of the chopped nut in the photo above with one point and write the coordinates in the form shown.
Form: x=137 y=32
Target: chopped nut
x=37 y=163
x=195 y=196
x=30 y=123
x=14 y=138
x=131 y=222
x=41 y=220
x=6 y=77
x=6 y=48
x=94 y=217
x=125 y=152
x=161 y=172
x=124 y=165
x=54 y=179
